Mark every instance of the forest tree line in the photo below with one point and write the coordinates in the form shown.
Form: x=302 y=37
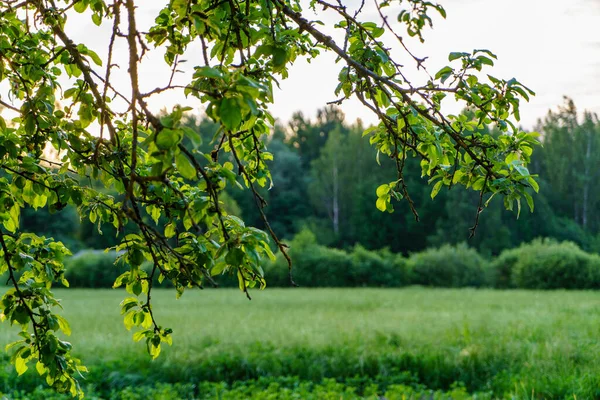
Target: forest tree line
x=325 y=176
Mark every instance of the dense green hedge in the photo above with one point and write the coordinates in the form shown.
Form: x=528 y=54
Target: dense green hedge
x=499 y=270
x=92 y=269
x=97 y=269
x=541 y=264
x=546 y=264
x=448 y=266
x=320 y=266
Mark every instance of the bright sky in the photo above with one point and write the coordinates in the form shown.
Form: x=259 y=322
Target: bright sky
x=551 y=46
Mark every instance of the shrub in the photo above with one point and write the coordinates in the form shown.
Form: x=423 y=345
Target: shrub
x=382 y=268
x=448 y=266
x=320 y=266
x=314 y=265
x=97 y=269
x=541 y=264
x=546 y=264
x=499 y=271
x=277 y=273
x=92 y=269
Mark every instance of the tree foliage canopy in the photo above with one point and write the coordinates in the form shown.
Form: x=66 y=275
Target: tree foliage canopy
x=168 y=210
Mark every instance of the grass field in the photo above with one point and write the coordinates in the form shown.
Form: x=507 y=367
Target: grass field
x=341 y=343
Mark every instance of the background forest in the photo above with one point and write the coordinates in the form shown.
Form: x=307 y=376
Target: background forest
x=325 y=176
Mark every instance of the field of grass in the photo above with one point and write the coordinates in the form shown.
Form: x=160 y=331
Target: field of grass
x=338 y=343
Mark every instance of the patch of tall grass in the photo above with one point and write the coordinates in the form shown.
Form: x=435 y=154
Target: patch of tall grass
x=508 y=343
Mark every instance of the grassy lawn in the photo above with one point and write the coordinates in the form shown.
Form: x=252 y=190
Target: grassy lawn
x=505 y=344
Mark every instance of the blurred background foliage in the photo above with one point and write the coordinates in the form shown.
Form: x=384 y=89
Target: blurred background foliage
x=323 y=197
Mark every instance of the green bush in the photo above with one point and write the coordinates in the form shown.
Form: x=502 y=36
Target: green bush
x=319 y=266
x=92 y=269
x=541 y=264
x=546 y=264
x=499 y=270
x=313 y=265
x=382 y=268
x=277 y=272
x=97 y=269
x=448 y=266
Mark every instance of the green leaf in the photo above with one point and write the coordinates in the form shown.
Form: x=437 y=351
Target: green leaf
x=241 y=280
x=139 y=335
x=20 y=365
x=234 y=257
x=520 y=168
x=170 y=230
x=128 y=303
x=230 y=113
x=511 y=157
x=136 y=288
x=12 y=223
x=457 y=176
x=478 y=183
x=168 y=138
x=533 y=184
x=80 y=6
x=436 y=189
x=41 y=369
x=268 y=251
x=381 y=203
x=444 y=73
x=64 y=325
x=124 y=277
x=136 y=257
x=382 y=190
x=95 y=58
x=279 y=57
x=208 y=72
x=128 y=320
x=192 y=135
x=218 y=268
x=153 y=349
x=485 y=60
x=185 y=166
x=456 y=55
x=155 y=214
x=369 y=130
x=529 y=200
x=97 y=19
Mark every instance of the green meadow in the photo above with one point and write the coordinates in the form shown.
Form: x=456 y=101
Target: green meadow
x=336 y=343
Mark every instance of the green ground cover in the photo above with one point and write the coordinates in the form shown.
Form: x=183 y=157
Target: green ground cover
x=337 y=343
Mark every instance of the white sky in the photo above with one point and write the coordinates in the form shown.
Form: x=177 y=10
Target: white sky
x=551 y=46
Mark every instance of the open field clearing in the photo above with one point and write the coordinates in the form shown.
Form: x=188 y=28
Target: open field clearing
x=343 y=343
